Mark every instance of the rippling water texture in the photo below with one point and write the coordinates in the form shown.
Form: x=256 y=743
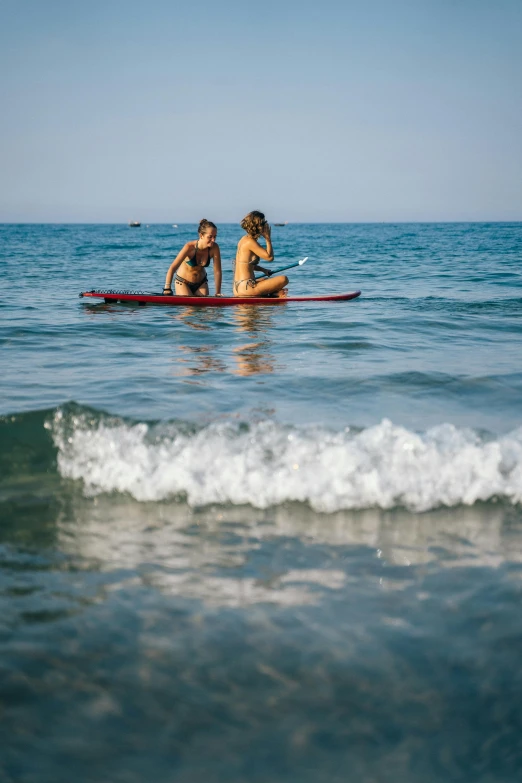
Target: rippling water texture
x=252 y=544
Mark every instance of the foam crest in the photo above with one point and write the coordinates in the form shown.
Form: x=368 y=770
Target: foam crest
x=265 y=464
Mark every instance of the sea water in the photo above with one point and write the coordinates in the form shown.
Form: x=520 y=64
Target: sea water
x=262 y=543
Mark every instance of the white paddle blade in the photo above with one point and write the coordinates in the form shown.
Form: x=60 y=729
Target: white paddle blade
x=303 y=260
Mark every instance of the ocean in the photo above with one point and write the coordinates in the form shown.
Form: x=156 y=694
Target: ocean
x=258 y=544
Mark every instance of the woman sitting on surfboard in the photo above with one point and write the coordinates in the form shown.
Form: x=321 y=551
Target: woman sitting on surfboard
x=249 y=251
x=192 y=261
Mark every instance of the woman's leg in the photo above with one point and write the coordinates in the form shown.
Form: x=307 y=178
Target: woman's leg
x=202 y=290
x=269 y=285
x=182 y=289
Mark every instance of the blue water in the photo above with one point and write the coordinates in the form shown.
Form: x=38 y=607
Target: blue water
x=276 y=543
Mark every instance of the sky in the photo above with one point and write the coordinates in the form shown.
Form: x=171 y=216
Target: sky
x=353 y=111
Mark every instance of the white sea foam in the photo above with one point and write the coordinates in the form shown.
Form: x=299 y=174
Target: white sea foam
x=266 y=464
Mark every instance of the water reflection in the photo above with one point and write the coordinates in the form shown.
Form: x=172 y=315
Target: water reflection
x=197 y=359
x=112 y=308
x=190 y=358
x=253 y=357
x=212 y=554
x=198 y=318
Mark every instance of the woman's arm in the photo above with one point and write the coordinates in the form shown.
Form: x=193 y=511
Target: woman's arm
x=217 y=269
x=258 y=268
x=183 y=253
x=259 y=250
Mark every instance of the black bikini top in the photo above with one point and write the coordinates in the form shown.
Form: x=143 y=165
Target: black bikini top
x=193 y=261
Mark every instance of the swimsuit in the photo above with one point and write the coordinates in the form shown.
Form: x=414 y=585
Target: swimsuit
x=192 y=286
x=193 y=263
x=250 y=281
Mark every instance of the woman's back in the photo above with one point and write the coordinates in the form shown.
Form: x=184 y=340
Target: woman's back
x=244 y=253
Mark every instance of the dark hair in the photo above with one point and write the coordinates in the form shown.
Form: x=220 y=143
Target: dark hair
x=204 y=226
x=254 y=223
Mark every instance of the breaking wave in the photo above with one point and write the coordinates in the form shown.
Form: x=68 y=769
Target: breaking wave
x=266 y=464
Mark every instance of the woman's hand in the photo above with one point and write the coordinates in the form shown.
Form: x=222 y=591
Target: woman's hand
x=167 y=291
x=267 y=231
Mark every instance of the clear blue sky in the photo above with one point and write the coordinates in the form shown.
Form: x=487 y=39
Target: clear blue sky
x=362 y=110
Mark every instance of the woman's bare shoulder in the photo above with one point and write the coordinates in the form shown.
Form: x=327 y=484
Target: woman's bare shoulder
x=184 y=252
x=246 y=243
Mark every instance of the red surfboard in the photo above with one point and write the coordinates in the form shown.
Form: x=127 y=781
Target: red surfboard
x=143 y=298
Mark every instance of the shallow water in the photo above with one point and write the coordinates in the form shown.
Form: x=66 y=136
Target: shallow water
x=262 y=544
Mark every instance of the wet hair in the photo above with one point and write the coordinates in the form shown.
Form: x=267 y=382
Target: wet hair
x=254 y=223
x=204 y=226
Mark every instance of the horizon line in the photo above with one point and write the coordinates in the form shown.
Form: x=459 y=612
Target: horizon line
x=233 y=223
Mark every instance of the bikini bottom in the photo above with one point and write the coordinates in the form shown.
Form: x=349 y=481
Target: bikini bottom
x=193 y=287
x=250 y=281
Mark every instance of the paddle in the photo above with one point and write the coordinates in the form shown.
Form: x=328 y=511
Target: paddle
x=283 y=268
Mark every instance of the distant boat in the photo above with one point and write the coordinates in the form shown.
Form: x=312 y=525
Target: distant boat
x=134 y=223
x=174 y=225
x=281 y=224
